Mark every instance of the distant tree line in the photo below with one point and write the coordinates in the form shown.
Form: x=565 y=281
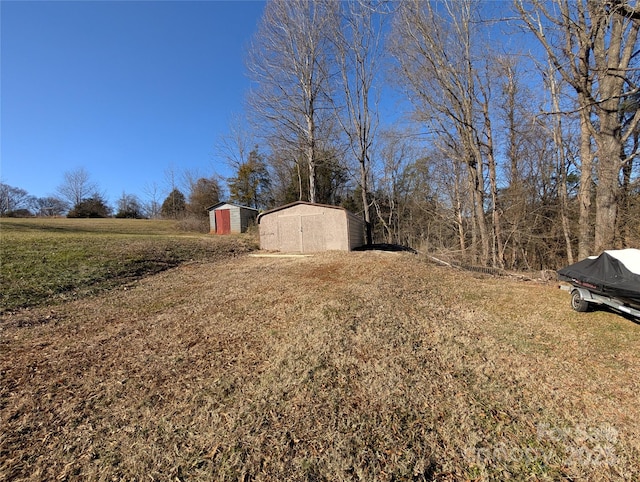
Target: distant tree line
x=512 y=139
x=79 y=197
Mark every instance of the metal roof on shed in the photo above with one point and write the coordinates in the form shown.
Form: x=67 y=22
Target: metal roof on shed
x=222 y=203
x=296 y=203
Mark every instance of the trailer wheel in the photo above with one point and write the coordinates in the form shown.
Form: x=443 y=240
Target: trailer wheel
x=577 y=303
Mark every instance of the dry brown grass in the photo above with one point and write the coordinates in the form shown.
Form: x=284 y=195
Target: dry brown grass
x=360 y=366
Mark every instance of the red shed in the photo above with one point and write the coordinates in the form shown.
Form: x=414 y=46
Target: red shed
x=227 y=218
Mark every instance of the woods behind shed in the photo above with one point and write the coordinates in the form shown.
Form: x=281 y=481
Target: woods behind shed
x=304 y=227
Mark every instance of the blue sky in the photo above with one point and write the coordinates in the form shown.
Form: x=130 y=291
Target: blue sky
x=125 y=89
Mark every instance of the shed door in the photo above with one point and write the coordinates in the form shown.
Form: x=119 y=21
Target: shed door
x=312 y=227
x=289 y=233
x=223 y=221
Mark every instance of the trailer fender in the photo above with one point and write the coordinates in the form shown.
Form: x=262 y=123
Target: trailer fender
x=580 y=299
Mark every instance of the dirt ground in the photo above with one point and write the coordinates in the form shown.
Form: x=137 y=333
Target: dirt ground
x=340 y=366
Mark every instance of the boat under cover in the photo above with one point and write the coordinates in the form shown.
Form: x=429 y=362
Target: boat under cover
x=615 y=273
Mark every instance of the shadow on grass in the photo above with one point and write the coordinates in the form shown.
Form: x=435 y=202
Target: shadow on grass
x=58 y=225
x=610 y=309
x=386 y=247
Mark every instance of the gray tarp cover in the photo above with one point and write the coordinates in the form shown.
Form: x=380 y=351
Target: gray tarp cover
x=614 y=273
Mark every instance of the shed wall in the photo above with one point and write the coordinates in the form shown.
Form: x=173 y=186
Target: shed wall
x=356 y=231
x=247 y=216
x=236 y=225
x=212 y=222
x=241 y=217
x=309 y=228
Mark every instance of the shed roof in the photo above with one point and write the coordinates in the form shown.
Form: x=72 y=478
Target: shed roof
x=222 y=203
x=296 y=203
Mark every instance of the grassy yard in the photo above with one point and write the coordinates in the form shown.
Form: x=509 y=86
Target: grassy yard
x=342 y=366
x=44 y=261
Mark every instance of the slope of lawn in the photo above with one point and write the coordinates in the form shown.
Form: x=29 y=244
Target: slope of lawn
x=341 y=366
x=47 y=260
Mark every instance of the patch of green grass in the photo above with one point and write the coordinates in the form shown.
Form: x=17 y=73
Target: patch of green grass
x=44 y=260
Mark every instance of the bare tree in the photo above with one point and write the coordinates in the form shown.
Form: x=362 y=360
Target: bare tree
x=77 y=186
x=13 y=199
x=396 y=153
x=289 y=61
x=250 y=185
x=560 y=160
x=129 y=206
x=434 y=45
x=628 y=219
x=153 y=204
x=451 y=179
x=487 y=143
x=592 y=45
x=359 y=52
x=536 y=162
x=285 y=175
x=50 y=206
x=515 y=123
x=234 y=147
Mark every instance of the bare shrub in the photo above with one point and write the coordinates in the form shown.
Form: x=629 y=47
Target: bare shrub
x=193 y=224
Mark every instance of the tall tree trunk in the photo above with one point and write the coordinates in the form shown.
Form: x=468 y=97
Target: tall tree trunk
x=498 y=250
x=624 y=216
x=365 y=202
x=476 y=179
x=475 y=225
x=561 y=165
x=515 y=191
x=359 y=51
x=564 y=205
x=586 y=187
x=607 y=193
x=458 y=210
x=300 y=191
x=311 y=164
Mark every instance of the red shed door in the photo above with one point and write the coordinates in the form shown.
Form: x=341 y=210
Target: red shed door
x=223 y=221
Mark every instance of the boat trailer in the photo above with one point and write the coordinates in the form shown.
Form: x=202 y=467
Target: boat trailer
x=582 y=298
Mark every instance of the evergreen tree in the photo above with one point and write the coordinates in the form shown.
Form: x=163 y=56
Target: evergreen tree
x=174 y=206
x=91 y=207
x=251 y=186
x=205 y=192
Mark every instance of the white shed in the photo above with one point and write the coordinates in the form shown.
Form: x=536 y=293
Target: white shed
x=227 y=218
x=305 y=227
